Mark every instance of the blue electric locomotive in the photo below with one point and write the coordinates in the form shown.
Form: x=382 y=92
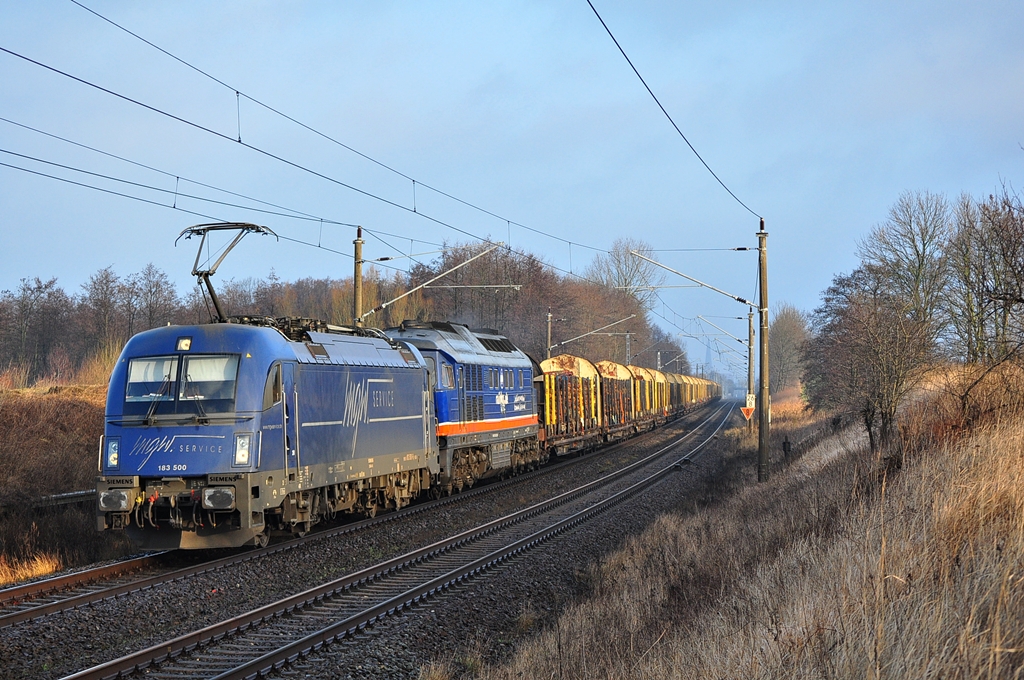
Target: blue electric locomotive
x=217 y=434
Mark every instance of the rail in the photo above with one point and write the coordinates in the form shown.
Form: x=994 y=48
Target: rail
x=346 y=620
x=79 y=588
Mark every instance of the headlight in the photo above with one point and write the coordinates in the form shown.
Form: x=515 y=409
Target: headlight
x=219 y=498
x=113 y=452
x=115 y=500
x=243 y=445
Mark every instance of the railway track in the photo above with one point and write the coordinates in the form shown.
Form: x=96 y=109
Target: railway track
x=267 y=638
x=39 y=598
x=70 y=591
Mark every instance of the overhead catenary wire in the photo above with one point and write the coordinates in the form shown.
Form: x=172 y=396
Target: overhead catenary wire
x=303 y=168
x=375 y=233
x=238 y=94
x=169 y=207
x=221 y=135
x=177 y=194
x=111 y=191
x=177 y=177
x=415 y=182
x=298 y=214
x=665 y=306
x=664 y=111
x=174 y=206
x=698 y=250
x=281 y=159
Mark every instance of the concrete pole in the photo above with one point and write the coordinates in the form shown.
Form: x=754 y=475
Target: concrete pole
x=549 y=333
x=357 y=280
x=750 y=363
x=764 y=405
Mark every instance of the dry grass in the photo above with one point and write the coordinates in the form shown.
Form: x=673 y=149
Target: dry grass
x=792 y=414
x=48 y=445
x=527 y=619
x=48 y=441
x=96 y=369
x=14 y=377
x=40 y=565
x=836 y=568
x=437 y=670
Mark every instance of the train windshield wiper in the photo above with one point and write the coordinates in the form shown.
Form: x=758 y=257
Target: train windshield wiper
x=196 y=398
x=162 y=390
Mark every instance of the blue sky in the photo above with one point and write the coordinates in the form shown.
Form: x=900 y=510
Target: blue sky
x=817 y=115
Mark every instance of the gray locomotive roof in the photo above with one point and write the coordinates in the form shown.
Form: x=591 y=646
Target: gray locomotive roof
x=462 y=344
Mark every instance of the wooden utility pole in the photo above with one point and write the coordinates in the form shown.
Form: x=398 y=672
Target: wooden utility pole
x=764 y=402
x=357 y=280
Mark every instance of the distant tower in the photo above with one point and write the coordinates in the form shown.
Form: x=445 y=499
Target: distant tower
x=707 y=359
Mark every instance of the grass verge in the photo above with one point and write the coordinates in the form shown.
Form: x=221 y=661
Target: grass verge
x=48 y=443
x=838 y=567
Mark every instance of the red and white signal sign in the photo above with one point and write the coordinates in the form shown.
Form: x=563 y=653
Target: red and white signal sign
x=749 y=409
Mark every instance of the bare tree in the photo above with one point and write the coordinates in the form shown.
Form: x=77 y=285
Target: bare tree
x=33 y=321
x=100 y=299
x=44 y=331
x=129 y=300
x=620 y=270
x=909 y=250
x=583 y=304
x=868 y=351
x=158 y=298
x=270 y=298
x=964 y=297
x=788 y=333
x=1002 y=274
x=984 y=297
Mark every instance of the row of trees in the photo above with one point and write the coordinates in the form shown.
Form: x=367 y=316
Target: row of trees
x=938 y=282
x=788 y=333
x=47 y=332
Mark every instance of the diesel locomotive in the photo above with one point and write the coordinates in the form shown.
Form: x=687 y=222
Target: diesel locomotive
x=219 y=435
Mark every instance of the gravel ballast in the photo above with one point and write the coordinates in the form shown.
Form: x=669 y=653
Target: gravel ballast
x=482 y=613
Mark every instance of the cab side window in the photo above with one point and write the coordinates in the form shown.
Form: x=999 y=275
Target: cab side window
x=447 y=376
x=274 y=390
x=431 y=371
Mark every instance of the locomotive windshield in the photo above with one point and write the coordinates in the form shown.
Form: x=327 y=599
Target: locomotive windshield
x=209 y=378
x=191 y=385
x=152 y=379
